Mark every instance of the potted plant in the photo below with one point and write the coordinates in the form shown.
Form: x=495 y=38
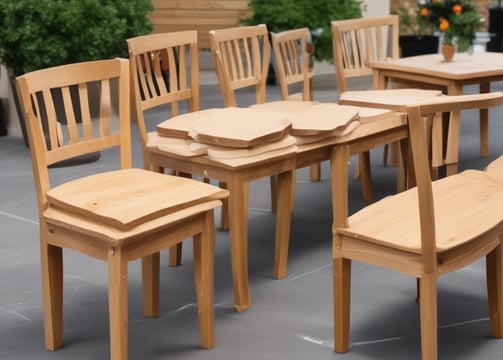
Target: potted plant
x=415 y=38
x=37 y=34
x=457 y=20
x=280 y=15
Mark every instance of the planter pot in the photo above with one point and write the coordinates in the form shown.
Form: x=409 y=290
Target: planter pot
x=448 y=52
x=411 y=45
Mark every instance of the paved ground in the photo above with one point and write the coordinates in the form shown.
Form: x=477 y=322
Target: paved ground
x=290 y=319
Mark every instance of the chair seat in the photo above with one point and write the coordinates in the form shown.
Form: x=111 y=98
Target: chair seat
x=112 y=236
x=496 y=167
x=392 y=99
x=127 y=198
x=394 y=221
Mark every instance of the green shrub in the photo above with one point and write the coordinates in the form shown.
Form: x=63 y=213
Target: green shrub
x=280 y=15
x=36 y=34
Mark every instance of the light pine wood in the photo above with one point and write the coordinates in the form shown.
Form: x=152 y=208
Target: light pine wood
x=238 y=172
x=356 y=42
x=294 y=59
x=241 y=128
x=496 y=166
x=117 y=216
x=431 y=71
x=241 y=57
x=165 y=71
x=425 y=232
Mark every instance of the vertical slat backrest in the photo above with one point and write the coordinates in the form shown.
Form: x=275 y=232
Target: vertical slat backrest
x=358 y=41
x=241 y=58
x=53 y=99
x=421 y=160
x=292 y=53
x=164 y=70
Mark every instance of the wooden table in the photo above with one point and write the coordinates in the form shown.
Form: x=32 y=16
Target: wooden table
x=237 y=173
x=432 y=71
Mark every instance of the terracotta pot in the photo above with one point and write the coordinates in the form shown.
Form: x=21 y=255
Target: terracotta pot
x=448 y=51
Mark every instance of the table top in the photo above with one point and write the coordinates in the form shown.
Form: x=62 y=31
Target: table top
x=464 y=66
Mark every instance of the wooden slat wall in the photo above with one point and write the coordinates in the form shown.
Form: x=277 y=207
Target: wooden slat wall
x=202 y=15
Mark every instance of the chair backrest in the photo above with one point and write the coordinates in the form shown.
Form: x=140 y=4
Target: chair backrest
x=421 y=161
x=59 y=106
x=293 y=54
x=241 y=58
x=164 y=70
x=357 y=41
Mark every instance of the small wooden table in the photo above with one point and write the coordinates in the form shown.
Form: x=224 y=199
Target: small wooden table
x=237 y=173
x=432 y=71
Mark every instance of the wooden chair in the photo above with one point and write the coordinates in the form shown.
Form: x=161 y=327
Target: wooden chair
x=241 y=57
x=425 y=232
x=293 y=53
x=164 y=76
x=355 y=42
x=116 y=216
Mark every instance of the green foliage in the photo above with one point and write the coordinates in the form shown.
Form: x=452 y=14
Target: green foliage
x=280 y=15
x=36 y=34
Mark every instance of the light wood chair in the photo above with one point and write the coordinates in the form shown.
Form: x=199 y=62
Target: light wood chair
x=425 y=232
x=293 y=54
x=355 y=42
x=241 y=56
x=164 y=76
x=116 y=216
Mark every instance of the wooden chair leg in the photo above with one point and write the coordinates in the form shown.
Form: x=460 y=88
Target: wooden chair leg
x=150 y=278
x=274 y=193
x=342 y=303
x=365 y=174
x=118 y=304
x=175 y=255
x=224 y=217
x=385 y=155
x=315 y=172
x=494 y=269
x=204 y=252
x=52 y=290
x=428 y=315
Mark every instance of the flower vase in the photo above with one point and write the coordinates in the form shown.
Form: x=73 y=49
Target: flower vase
x=448 y=51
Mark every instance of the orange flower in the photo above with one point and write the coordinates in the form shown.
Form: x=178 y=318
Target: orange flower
x=443 y=25
x=457 y=9
x=424 y=12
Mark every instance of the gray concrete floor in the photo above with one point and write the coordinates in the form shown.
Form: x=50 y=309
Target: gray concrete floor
x=289 y=319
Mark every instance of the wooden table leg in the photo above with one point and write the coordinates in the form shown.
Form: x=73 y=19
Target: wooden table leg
x=238 y=232
x=283 y=220
x=484 y=123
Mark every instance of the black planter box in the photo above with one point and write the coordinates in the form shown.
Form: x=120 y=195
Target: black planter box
x=411 y=45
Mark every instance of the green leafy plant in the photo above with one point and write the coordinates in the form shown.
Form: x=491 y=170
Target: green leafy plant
x=280 y=15
x=410 y=22
x=458 y=20
x=36 y=34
